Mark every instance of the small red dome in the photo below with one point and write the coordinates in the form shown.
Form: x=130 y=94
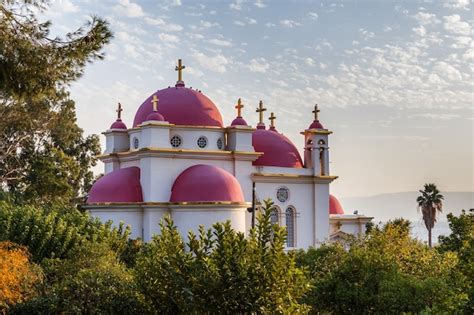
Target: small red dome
x=122 y=185
x=203 y=183
x=277 y=149
x=239 y=121
x=335 y=206
x=181 y=106
x=316 y=125
x=118 y=124
x=155 y=116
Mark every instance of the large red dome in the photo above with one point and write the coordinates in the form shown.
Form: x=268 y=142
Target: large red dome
x=181 y=106
x=122 y=185
x=277 y=149
x=206 y=183
x=335 y=206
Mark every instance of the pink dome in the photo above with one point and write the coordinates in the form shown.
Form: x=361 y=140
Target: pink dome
x=335 y=206
x=122 y=185
x=316 y=125
x=181 y=106
x=204 y=183
x=155 y=116
x=278 y=149
x=239 y=121
x=118 y=124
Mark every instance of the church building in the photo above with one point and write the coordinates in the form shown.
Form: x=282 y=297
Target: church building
x=180 y=159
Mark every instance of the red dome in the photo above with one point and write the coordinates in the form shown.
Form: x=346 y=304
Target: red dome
x=181 y=106
x=202 y=183
x=335 y=206
x=316 y=125
x=278 y=149
x=155 y=116
x=239 y=121
x=118 y=124
x=122 y=185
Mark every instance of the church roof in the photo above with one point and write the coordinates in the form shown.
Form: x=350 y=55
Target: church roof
x=335 y=206
x=206 y=183
x=122 y=185
x=278 y=150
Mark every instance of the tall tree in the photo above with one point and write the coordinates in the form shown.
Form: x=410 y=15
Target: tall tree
x=43 y=153
x=430 y=202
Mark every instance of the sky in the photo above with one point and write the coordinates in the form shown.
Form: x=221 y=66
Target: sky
x=393 y=79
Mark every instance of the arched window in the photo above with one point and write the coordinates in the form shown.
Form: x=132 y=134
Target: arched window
x=290 y=227
x=275 y=216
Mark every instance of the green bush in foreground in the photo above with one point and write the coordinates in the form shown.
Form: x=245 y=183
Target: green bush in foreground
x=221 y=271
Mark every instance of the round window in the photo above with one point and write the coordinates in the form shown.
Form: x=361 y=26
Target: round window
x=283 y=193
x=176 y=141
x=202 y=142
x=136 y=143
x=220 y=143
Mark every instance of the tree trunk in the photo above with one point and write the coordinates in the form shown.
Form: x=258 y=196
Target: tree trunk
x=429 y=237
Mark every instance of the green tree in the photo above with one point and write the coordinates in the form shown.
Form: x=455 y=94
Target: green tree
x=221 y=271
x=43 y=153
x=92 y=281
x=55 y=231
x=430 y=203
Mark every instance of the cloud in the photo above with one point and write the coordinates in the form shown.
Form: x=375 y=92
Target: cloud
x=366 y=34
x=454 y=25
x=259 y=4
x=309 y=61
x=259 y=65
x=446 y=70
x=237 y=5
x=269 y=24
x=436 y=116
x=425 y=18
x=457 y=4
x=220 y=42
x=215 y=63
x=313 y=15
x=165 y=26
x=67 y=6
x=289 y=23
x=168 y=38
x=129 y=9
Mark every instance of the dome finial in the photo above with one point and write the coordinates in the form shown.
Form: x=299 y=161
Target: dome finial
x=154 y=101
x=316 y=112
x=119 y=111
x=180 y=68
x=272 y=121
x=239 y=107
x=260 y=111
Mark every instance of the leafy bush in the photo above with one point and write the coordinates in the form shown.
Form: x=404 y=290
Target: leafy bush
x=221 y=271
x=53 y=232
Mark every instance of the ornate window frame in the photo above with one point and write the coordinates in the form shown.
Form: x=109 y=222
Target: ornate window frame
x=176 y=141
x=277 y=194
x=290 y=217
x=202 y=142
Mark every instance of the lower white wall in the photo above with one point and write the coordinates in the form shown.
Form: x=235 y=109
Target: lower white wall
x=130 y=216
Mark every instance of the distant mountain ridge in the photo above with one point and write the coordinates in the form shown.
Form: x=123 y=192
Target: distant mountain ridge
x=384 y=207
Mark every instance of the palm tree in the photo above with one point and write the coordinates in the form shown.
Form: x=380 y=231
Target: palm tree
x=430 y=203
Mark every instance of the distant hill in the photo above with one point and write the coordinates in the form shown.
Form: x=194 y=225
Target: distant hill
x=384 y=207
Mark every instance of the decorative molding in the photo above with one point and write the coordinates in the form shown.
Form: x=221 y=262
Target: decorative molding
x=291 y=178
x=139 y=206
x=316 y=132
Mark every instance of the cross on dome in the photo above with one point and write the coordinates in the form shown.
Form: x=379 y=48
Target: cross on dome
x=119 y=111
x=154 y=101
x=260 y=111
x=180 y=68
x=272 y=120
x=316 y=112
x=239 y=107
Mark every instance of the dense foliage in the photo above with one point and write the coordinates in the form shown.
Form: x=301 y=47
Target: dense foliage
x=55 y=231
x=219 y=270
x=386 y=272
x=44 y=156
x=19 y=277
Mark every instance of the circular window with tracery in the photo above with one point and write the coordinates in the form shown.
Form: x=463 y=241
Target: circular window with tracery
x=202 y=142
x=220 y=143
x=136 y=143
x=176 y=141
x=283 y=193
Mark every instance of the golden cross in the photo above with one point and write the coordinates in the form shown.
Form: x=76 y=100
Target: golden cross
x=154 y=101
x=119 y=111
x=260 y=111
x=316 y=112
x=180 y=68
x=239 y=107
x=272 y=120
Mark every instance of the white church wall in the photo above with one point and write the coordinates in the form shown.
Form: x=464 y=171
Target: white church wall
x=152 y=216
x=155 y=135
x=321 y=218
x=131 y=216
x=190 y=138
x=283 y=170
